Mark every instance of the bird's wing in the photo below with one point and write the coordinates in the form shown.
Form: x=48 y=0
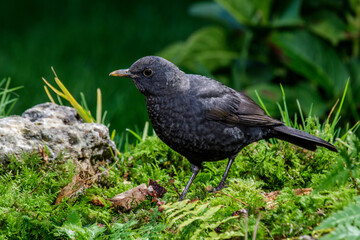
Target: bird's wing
x=227 y=105
x=237 y=108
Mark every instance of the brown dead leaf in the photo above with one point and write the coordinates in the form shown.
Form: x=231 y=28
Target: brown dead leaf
x=155 y=189
x=97 y=201
x=76 y=186
x=43 y=154
x=135 y=196
x=126 y=175
x=208 y=188
x=130 y=198
x=303 y=191
x=172 y=181
x=271 y=196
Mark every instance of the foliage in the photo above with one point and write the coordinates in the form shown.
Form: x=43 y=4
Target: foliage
x=343 y=224
x=73 y=229
x=29 y=187
x=85 y=40
x=7 y=100
x=310 y=47
x=347 y=165
x=82 y=109
x=196 y=218
x=233 y=212
x=298 y=215
x=31 y=184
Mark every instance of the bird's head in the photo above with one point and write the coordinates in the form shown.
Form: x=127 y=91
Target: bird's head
x=155 y=76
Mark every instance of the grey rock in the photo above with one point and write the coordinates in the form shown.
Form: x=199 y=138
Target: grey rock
x=60 y=129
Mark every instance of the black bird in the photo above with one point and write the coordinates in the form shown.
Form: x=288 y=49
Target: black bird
x=203 y=119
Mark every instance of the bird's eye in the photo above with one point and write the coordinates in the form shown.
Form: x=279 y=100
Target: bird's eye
x=147 y=72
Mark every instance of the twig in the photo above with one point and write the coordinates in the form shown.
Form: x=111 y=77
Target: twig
x=256 y=225
x=269 y=233
x=246 y=225
x=175 y=188
x=232 y=197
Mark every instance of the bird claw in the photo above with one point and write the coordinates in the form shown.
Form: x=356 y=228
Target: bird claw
x=217 y=188
x=212 y=190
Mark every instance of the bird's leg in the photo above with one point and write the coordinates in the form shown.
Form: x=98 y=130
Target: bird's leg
x=195 y=170
x=221 y=185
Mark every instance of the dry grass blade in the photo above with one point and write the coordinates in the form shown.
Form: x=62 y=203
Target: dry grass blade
x=332 y=110
x=82 y=112
x=48 y=94
x=64 y=93
x=99 y=106
x=54 y=89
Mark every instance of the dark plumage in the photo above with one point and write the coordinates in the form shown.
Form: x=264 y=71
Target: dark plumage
x=203 y=119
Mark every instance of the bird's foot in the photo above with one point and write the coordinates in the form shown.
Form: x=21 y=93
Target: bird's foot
x=218 y=187
x=181 y=197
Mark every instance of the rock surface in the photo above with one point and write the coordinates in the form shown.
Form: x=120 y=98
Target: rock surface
x=60 y=129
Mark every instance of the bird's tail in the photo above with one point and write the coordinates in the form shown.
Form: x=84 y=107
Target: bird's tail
x=301 y=138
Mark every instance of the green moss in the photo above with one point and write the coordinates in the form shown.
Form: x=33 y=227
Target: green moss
x=29 y=187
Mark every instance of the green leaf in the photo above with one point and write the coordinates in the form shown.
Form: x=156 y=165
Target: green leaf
x=343 y=232
x=312 y=58
x=289 y=15
x=354 y=67
x=74 y=219
x=204 y=49
x=228 y=235
x=182 y=212
x=350 y=215
x=269 y=93
x=328 y=25
x=308 y=95
x=248 y=12
x=213 y=11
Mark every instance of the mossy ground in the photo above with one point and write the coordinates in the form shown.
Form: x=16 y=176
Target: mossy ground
x=29 y=187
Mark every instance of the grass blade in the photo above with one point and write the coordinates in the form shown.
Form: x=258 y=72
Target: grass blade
x=337 y=116
x=82 y=112
x=48 y=94
x=54 y=89
x=301 y=114
x=134 y=133
x=98 y=106
x=146 y=129
x=262 y=103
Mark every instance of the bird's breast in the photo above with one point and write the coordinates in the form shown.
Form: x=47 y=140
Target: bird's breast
x=182 y=124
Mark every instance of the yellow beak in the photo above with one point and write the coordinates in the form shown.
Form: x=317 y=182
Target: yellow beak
x=121 y=73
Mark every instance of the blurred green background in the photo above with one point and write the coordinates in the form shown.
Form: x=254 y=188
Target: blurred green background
x=84 y=41
x=310 y=47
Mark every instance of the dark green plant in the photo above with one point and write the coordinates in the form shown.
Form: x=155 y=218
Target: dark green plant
x=311 y=47
x=344 y=224
x=197 y=219
x=7 y=99
x=72 y=228
x=29 y=187
x=347 y=165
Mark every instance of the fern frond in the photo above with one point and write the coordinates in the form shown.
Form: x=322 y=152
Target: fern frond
x=343 y=232
x=349 y=215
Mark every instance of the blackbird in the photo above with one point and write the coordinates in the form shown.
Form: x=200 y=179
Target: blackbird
x=204 y=120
